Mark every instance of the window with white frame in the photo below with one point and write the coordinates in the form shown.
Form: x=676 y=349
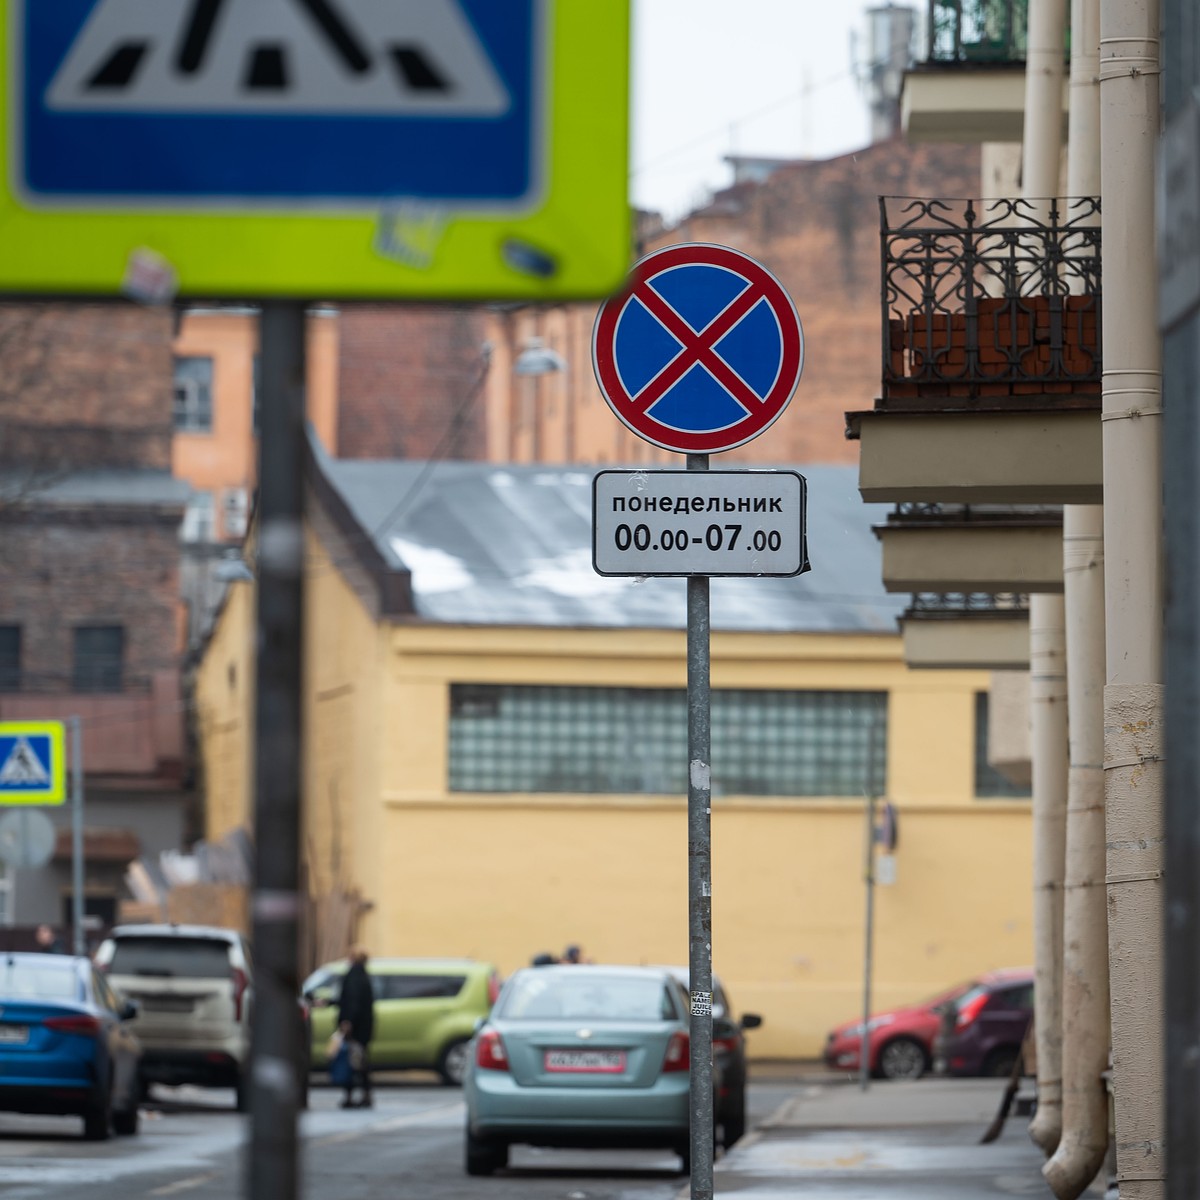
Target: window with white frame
x=193 y=405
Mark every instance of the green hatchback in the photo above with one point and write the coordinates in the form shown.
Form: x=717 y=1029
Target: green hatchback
x=426 y=1010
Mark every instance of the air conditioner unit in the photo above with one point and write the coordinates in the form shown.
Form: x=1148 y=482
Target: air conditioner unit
x=235 y=511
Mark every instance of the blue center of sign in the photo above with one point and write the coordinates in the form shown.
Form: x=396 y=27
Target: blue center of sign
x=275 y=100
x=702 y=393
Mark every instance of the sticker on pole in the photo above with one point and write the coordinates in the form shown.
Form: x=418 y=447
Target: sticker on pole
x=701 y=352
x=32 y=763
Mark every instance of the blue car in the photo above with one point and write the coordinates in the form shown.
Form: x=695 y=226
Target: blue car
x=580 y=1056
x=65 y=1044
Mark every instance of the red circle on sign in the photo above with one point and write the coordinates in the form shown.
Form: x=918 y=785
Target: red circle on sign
x=698 y=349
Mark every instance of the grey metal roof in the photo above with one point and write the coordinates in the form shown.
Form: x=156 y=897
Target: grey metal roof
x=511 y=545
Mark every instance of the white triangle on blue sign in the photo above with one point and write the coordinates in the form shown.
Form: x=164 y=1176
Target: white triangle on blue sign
x=285 y=57
x=22 y=767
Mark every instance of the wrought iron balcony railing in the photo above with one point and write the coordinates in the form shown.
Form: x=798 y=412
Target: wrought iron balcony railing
x=990 y=304
x=978 y=31
x=956 y=605
x=922 y=514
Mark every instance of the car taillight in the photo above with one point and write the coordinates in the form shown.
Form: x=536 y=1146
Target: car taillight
x=84 y=1025
x=490 y=1054
x=240 y=983
x=969 y=1013
x=493 y=987
x=679 y=1053
x=724 y=1045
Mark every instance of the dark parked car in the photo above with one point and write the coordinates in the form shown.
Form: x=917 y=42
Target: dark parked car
x=65 y=1045
x=729 y=1059
x=981 y=1033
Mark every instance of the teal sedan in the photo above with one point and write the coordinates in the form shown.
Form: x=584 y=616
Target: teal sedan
x=588 y=1056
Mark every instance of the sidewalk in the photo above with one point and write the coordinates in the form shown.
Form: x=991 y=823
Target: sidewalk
x=919 y=1141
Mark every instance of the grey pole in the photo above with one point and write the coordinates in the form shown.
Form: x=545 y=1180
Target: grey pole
x=78 y=939
x=864 y=1055
x=275 y=1061
x=700 y=873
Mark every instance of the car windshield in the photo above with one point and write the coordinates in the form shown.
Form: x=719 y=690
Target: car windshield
x=586 y=995
x=944 y=998
x=38 y=981
x=171 y=958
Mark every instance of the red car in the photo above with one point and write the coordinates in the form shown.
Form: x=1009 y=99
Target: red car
x=899 y=1041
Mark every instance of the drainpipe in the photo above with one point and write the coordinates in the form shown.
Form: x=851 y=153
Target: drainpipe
x=1133 y=697
x=1042 y=152
x=1084 y=1142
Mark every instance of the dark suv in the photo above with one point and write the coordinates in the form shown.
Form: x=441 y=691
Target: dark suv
x=982 y=1031
x=729 y=1055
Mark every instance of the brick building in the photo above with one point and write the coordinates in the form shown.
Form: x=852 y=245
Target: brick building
x=815 y=225
x=90 y=615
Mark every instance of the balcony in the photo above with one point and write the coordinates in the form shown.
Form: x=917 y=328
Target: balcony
x=955 y=548
x=971 y=86
x=135 y=733
x=972 y=631
x=991 y=359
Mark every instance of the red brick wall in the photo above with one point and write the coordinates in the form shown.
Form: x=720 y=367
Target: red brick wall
x=409 y=382
x=85 y=385
x=816 y=226
x=64 y=571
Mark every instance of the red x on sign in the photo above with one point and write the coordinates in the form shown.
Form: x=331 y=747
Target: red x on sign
x=701 y=352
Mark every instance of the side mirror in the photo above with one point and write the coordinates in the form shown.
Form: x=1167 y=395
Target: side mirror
x=750 y=1021
x=130 y=1009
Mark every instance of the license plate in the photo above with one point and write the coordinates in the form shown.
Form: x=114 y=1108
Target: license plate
x=586 y=1062
x=173 y=1004
x=14 y=1035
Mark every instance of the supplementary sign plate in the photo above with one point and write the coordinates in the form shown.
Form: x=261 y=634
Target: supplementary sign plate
x=32 y=763
x=315 y=148
x=699 y=523
x=701 y=352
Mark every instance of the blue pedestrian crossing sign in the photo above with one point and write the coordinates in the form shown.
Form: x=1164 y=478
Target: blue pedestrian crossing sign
x=212 y=133
x=32 y=762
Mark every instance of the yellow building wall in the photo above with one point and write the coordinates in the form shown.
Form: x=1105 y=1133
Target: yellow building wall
x=224 y=696
x=503 y=877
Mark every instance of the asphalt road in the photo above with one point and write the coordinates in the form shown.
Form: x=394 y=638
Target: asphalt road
x=409 y=1145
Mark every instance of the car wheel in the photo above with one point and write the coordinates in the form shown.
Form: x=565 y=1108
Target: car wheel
x=97 y=1121
x=484 y=1157
x=126 y=1123
x=684 y=1150
x=999 y=1063
x=903 y=1058
x=733 y=1121
x=452 y=1065
x=242 y=1094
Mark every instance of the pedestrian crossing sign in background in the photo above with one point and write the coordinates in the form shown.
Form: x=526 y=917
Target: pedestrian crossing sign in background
x=32 y=762
x=320 y=149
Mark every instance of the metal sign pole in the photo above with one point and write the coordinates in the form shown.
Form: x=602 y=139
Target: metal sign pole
x=700 y=873
x=79 y=942
x=275 y=1035
x=864 y=1054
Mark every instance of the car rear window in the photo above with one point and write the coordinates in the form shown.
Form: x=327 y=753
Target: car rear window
x=34 y=981
x=171 y=958
x=586 y=995
x=419 y=987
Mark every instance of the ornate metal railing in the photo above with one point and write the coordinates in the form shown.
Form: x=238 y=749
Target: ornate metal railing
x=989 y=302
x=922 y=512
x=943 y=605
x=987 y=31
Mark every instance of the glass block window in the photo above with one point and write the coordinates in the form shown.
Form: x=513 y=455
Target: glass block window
x=10 y=658
x=193 y=408
x=99 y=658
x=634 y=740
x=989 y=783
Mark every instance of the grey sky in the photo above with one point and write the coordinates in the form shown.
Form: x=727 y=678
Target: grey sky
x=770 y=77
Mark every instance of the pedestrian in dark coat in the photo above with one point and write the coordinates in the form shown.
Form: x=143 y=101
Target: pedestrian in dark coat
x=356 y=1020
